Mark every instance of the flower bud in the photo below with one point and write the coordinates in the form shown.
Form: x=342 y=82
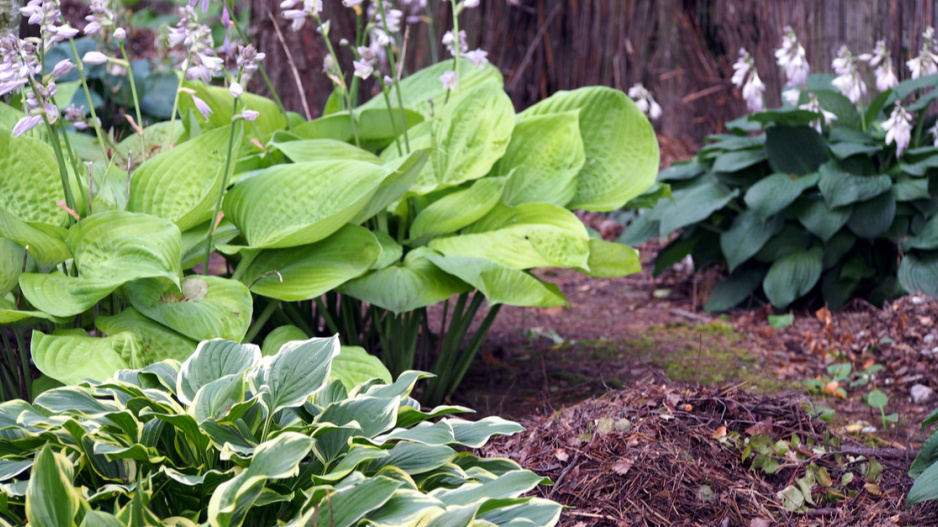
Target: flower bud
x=94 y=57
x=235 y=90
x=120 y=34
x=249 y=115
x=62 y=68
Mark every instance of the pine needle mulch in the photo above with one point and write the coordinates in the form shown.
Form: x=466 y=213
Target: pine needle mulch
x=672 y=455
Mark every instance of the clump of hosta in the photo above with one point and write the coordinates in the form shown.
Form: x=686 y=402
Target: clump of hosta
x=231 y=437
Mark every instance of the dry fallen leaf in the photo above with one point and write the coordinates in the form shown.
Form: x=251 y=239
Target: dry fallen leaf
x=824 y=315
x=552 y=311
x=561 y=455
x=621 y=467
x=832 y=388
x=720 y=432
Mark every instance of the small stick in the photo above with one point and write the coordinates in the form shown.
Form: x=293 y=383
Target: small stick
x=296 y=74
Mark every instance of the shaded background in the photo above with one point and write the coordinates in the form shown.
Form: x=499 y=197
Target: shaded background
x=682 y=50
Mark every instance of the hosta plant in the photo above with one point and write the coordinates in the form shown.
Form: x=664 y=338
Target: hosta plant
x=811 y=202
x=230 y=437
x=924 y=468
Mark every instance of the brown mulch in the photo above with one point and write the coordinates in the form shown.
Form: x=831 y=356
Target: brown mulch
x=664 y=465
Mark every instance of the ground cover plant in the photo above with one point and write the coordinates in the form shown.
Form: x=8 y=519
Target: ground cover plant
x=830 y=196
x=232 y=438
x=353 y=223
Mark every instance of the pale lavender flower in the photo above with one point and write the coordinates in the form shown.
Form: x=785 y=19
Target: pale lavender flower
x=449 y=40
x=449 y=80
x=120 y=33
x=848 y=81
x=201 y=106
x=18 y=62
x=814 y=105
x=645 y=102
x=926 y=63
x=297 y=13
x=363 y=70
x=26 y=124
x=478 y=57
x=101 y=19
x=351 y=3
x=470 y=3
x=898 y=128
x=235 y=90
x=249 y=115
x=792 y=58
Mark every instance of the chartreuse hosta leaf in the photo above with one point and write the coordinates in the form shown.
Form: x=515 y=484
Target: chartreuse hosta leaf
x=32 y=198
x=280 y=336
x=501 y=284
x=457 y=209
x=523 y=237
x=204 y=307
x=154 y=139
x=414 y=283
x=301 y=273
x=619 y=142
x=46 y=242
x=301 y=203
x=543 y=159
x=404 y=174
x=220 y=101
x=51 y=500
x=212 y=360
x=12 y=257
x=323 y=150
x=375 y=127
x=194 y=240
x=296 y=372
x=612 y=260
x=9 y=314
x=156 y=341
x=110 y=249
x=182 y=184
x=72 y=358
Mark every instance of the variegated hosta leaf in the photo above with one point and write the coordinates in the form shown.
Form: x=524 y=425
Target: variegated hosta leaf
x=110 y=249
x=30 y=182
x=157 y=341
x=458 y=209
x=501 y=284
x=414 y=283
x=301 y=203
x=523 y=237
x=71 y=358
x=182 y=184
x=543 y=159
x=296 y=372
x=620 y=145
x=212 y=360
x=204 y=307
x=51 y=500
x=301 y=273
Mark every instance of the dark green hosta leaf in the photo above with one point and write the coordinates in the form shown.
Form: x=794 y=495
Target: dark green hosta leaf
x=157 y=341
x=51 y=500
x=676 y=251
x=301 y=273
x=301 y=203
x=872 y=219
x=353 y=366
x=925 y=486
x=840 y=188
x=836 y=289
x=919 y=273
x=501 y=284
x=789 y=117
x=717 y=143
x=734 y=289
x=204 y=307
x=910 y=189
x=772 y=194
x=694 y=204
x=212 y=360
x=845 y=150
x=71 y=358
x=919 y=168
x=110 y=249
x=737 y=160
x=837 y=247
x=414 y=283
x=820 y=220
x=620 y=145
x=182 y=184
x=795 y=149
x=32 y=198
x=296 y=372
x=522 y=237
x=834 y=102
x=650 y=197
x=746 y=236
x=926 y=238
x=543 y=159
x=792 y=276
x=459 y=209
x=927 y=455
x=682 y=171
x=323 y=150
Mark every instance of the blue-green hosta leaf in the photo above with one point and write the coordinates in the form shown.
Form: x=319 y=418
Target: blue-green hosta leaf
x=157 y=341
x=795 y=149
x=414 y=283
x=793 y=276
x=323 y=150
x=406 y=507
x=841 y=188
x=46 y=242
x=734 y=161
x=212 y=360
x=353 y=366
x=301 y=273
x=620 y=145
x=919 y=273
x=612 y=260
x=182 y=184
x=693 y=204
x=296 y=372
x=734 y=289
x=72 y=358
x=204 y=307
x=280 y=336
x=772 y=194
x=405 y=171
x=501 y=284
x=220 y=101
x=543 y=159
x=423 y=92
x=30 y=182
x=110 y=249
x=51 y=499
x=819 y=219
x=301 y=203
x=523 y=237
x=458 y=209
x=746 y=236
x=926 y=238
x=872 y=219
x=908 y=188
x=925 y=486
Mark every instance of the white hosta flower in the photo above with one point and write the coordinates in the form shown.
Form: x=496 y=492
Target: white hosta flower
x=645 y=102
x=741 y=67
x=881 y=59
x=351 y=3
x=747 y=79
x=235 y=90
x=249 y=115
x=848 y=80
x=469 y=4
x=792 y=96
x=120 y=33
x=814 y=105
x=478 y=57
x=95 y=58
x=449 y=80
x=792 y=58
x=898 y=128
x=363 y=70
x=926 y=63
x=298 y=14
x=449 y=40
